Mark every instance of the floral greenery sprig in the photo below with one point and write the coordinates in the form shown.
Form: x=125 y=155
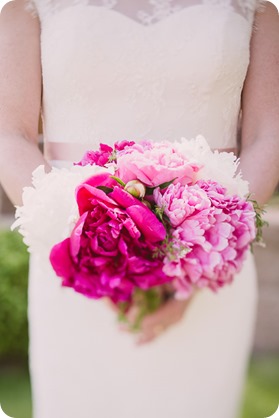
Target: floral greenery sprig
x=259 y=221
x=171 y=248
x=113 y=156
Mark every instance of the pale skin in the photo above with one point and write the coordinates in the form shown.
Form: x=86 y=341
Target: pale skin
x=20 y=103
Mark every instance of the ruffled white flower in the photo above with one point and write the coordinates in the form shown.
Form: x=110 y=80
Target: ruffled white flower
x=221 y=167
x=49 y=209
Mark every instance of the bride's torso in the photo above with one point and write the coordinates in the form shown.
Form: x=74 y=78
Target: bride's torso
x=159 y=69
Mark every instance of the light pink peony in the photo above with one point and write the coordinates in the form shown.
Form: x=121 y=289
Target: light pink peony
x=109 y=252
x=179 y=202
x=154 y=164
x=215 y=227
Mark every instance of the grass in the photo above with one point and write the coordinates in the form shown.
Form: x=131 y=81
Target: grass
x=15 y=393
x=261 y=396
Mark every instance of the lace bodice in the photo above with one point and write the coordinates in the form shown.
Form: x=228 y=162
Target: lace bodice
x=143 y=11
x=158 y=69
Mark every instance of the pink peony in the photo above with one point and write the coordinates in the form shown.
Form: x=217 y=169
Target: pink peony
x=154 y=164
x=100 y=157
x=109 y=252
x=215 y=227
x=179 y=202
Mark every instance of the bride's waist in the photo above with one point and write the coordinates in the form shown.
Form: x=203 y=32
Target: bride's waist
x=70 y=152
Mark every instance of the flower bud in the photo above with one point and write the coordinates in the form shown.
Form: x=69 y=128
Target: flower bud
x=135 y=188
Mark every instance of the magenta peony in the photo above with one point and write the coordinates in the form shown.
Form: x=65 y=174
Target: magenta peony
x=105 y=154
x=122 y=145
x=100 y=157
x=109 y=252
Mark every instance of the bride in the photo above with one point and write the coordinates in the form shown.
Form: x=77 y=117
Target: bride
x=101 y=70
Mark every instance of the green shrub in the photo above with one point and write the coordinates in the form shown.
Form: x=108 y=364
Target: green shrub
x=13 y=297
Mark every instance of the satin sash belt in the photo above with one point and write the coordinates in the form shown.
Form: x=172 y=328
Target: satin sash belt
x=73 y=151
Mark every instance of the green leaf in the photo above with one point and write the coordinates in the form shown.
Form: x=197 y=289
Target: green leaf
x=167 y=184
x=159 y=212
x=119 y=181
x=150 y=190
x=105 y=189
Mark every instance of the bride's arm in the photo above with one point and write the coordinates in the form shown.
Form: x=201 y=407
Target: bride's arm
x=259 y=157
x=20 y=97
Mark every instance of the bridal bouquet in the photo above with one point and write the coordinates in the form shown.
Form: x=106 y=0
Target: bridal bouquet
x=137 y=221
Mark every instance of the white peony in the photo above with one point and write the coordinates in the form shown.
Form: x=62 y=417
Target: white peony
x=49 y=208
x=221 y=167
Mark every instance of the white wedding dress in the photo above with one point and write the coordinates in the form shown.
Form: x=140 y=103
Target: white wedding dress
x=128 y=69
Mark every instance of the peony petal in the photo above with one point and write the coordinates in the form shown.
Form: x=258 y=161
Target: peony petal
x=155 y=277
x=101 y=179
x=76 y=235
x=124 y=198
x=152 y=229
x=61 y=260
x=85 y=193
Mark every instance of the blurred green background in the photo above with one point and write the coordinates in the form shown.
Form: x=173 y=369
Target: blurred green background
x=261 y=395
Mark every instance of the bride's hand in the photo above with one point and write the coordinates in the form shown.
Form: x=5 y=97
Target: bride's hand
x=153 y=325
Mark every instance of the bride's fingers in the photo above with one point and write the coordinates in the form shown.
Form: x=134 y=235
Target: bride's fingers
x=132 y=314
x=168 y=314
x=155 y=324
x=149 y=334
x=112 y=305
x=130 y=319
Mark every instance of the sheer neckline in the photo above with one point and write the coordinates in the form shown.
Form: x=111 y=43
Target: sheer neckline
x=147 y=12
